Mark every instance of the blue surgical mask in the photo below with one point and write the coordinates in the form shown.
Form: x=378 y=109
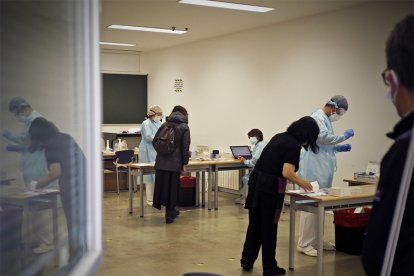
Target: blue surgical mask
x=253 y=140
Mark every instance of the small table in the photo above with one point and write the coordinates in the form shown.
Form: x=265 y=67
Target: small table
x=209 y=166
x=109 y=154
x=318 y=205
x=6 y=181
x=24 y=198
x=355 y=182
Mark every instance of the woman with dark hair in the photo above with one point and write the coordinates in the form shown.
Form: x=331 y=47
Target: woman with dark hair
x=168 y=167
x=279 y=161
x=66 y=163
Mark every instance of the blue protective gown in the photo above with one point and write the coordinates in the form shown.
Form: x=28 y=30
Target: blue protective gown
x=321 y=166
x=256 y=152
x=32 y=164
x=146 y=151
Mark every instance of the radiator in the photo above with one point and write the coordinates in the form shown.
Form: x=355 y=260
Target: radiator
x=228 y=179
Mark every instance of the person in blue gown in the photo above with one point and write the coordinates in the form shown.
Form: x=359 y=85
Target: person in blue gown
x=146 y=151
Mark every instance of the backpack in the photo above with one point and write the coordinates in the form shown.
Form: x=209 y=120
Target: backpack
x=164 y=141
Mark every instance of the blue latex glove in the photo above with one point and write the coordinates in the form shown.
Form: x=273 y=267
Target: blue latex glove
x=15 y=147
x=8 y=134
x=348 y=133
x=343 y=148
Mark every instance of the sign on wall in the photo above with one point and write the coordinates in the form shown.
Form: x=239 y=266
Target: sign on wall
x=178 y=85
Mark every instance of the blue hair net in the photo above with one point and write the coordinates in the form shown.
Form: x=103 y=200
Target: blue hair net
x=339 y=101
x=17 y=103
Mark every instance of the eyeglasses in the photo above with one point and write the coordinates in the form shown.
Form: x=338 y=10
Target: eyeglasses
x=386 y=82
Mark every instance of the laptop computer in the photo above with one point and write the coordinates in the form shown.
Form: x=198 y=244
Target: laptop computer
x=243 y=151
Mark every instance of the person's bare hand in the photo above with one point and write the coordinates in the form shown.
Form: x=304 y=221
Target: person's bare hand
x=307 y=186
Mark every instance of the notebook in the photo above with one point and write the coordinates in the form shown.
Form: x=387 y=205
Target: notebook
x=243 y=151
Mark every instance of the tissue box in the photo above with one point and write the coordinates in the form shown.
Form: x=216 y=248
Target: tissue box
x=340 y=191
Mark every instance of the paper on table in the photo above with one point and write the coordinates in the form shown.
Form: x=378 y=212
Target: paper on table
x=315 y=190
x=315 y=187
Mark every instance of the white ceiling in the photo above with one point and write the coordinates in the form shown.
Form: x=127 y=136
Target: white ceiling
x=202 y=22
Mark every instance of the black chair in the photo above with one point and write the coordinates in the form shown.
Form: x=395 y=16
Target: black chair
x=123 y=157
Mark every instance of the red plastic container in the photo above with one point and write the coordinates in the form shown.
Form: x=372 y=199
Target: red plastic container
x=187 y=191
x=350 y=230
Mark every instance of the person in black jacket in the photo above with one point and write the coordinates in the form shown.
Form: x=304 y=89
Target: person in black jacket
x=168 y=167
x=399 y=77
x=267 y=182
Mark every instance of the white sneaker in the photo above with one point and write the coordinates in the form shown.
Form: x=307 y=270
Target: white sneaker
x=149 y=203
x=308 y=250
x=239 y=200
x=328 y=246
x=43 y=248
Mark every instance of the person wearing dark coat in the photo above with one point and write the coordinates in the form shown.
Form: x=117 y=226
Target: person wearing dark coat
x=398 y=76
x=168 y=167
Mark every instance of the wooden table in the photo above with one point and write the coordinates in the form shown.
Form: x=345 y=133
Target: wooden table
x=354 y=182
x=210 y=166
x=24 y=198
x=318 y=205
x=106 y=154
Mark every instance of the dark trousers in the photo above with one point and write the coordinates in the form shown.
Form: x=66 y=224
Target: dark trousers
x=261 y=232
x=166 y=189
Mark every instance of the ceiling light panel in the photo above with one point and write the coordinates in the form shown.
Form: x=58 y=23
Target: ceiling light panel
x=173 y=30
x=226 y=5
x=117 y=44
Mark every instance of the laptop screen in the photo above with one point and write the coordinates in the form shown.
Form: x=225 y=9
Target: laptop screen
x=243 y=151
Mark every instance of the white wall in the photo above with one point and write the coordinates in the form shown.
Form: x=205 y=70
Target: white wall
x=268 y=77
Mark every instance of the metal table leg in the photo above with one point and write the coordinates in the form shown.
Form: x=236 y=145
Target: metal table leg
x=215 y=187
x=141 y=192
x=321 y=214
x=130 y=191
x=292 y=217
x=197 y=189
x=210 y=186
x=203 y=188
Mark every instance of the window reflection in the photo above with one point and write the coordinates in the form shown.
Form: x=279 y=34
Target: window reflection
x=44 y=136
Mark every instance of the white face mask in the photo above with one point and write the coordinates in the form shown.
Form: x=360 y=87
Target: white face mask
x=156 y=119
x=390 y=95
x=253 y=140
x=334 y=117
x=21 y=118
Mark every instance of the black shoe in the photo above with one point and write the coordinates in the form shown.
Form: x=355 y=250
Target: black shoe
x=246 y=267
x=176 y=213
x=169 y=219
x=275 y=271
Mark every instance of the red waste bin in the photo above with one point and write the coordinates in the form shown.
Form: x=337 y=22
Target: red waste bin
x=350 y=230
x=187 y=191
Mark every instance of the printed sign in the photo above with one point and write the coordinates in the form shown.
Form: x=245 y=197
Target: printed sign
x=178 y=85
